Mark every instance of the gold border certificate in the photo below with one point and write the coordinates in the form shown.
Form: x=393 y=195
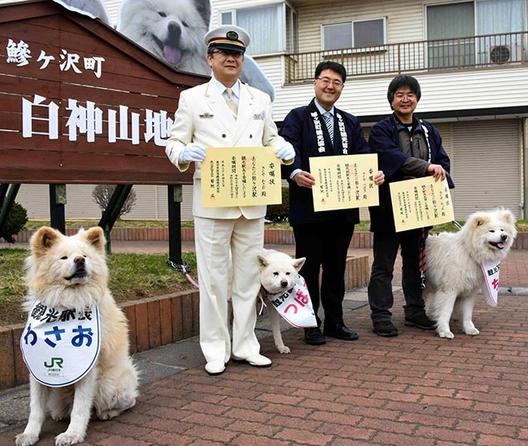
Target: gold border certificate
x=240 y=176
x=344 y=181
x=421 y=202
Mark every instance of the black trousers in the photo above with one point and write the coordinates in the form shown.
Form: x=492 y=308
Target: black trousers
x=324 y=245
x=380 y=285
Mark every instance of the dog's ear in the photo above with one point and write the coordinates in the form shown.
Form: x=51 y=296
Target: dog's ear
x=478 y=219
x=43 y=240
x=204 y=9
x=96 y=238
x=263 y=262
x=507 y=216
x=298 y=263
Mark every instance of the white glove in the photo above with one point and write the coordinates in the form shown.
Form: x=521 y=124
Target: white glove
x=285 y=153
x=192 y=152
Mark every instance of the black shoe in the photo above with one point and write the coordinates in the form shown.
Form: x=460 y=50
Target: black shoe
x=384 y=328
x=313 y=336
x=420 y=321
x=340 y=331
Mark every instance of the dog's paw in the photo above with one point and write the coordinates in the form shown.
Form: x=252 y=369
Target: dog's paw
x=26 y=439
x=471 y=331
x=283 y=349
x=446 y=334
x=109 y=414
x=67 y=439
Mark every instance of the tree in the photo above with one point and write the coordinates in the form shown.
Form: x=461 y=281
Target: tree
x=102 y=193
x=16 y=219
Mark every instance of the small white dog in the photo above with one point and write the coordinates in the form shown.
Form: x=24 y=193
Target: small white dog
x=278 y=273
x=454 y=276
x=67 y=276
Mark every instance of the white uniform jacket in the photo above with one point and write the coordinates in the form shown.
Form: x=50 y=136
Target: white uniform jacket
x=203 y=117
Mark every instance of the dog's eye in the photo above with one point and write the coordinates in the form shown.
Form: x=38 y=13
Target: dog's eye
x=275 y=274
x=492 y=230
x=185 y=24
x=64 y=257
x=162 y=14
x=288 y=274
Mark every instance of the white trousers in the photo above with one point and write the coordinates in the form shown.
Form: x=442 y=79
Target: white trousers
x=215 y=239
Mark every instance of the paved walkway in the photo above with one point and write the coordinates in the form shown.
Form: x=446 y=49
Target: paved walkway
x=415 y=389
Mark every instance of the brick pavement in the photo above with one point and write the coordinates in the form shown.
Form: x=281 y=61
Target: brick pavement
x=415 y=389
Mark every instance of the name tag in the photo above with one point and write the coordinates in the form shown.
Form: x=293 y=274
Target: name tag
x=60 y=346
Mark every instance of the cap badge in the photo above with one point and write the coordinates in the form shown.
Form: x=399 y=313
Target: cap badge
x=232 y=35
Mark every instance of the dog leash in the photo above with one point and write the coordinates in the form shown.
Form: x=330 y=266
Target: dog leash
x=185 y=269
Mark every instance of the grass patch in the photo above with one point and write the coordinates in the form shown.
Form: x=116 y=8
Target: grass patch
x=132 y=276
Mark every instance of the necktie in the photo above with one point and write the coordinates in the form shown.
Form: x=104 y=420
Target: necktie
x=329 y=121
x=230 y=103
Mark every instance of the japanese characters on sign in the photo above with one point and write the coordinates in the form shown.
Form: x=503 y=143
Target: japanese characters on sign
x=421 y=202
x=19 y=53
x=119 y=124
x=344 y=181
x=60 y=345
x=240 y=176
x=90 y=120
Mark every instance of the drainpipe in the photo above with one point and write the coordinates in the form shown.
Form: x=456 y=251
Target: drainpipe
x=524 y=167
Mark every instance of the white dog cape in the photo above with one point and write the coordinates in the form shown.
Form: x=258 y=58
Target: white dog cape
x=491 y=271
x=60 y=346
x=295 y=305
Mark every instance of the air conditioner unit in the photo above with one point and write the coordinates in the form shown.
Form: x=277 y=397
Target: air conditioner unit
x=500 y=54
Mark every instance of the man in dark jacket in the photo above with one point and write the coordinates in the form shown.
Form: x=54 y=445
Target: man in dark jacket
x=407 y=147
x=320 y=129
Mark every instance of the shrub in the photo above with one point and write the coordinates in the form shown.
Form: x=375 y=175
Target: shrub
x=16 y=219
x=103 y=192
x=279 y=212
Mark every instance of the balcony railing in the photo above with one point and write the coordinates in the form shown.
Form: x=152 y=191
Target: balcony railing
x=429 y=55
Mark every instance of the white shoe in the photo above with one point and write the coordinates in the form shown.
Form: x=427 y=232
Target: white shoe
x=215 y=367
x=255 y=360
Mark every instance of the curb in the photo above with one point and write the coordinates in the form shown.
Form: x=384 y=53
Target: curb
x=271 y=236
x=152 y=322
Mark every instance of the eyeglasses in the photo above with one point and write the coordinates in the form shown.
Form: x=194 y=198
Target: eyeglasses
x=401 y=96
x=327 y=81
x=224 y=53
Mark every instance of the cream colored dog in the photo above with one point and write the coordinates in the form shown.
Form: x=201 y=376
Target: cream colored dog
x=278 y=273
x=71 y=273
x=454 y=276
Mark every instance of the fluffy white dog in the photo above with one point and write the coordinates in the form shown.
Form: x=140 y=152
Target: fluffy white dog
x=70 y=273
x=278 y=273
x=454 y=276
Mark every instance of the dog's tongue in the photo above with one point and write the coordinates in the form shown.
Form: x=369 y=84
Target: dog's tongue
x=173 y=55
x=500 y=245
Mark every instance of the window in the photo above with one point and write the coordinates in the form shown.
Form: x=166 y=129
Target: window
x=357 y=34
x=455 y=26
x=273 y=28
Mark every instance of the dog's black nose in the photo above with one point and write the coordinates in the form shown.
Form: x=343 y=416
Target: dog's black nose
x=79 y=260
x=284 y=283
x=504 y=237
x=174 y=32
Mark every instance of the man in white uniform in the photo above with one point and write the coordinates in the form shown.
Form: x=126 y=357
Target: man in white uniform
x=226 y=113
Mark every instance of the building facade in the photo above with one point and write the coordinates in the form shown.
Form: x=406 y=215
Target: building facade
x=470 y=57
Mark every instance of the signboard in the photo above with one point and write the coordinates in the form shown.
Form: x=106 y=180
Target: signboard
x=420 y=202
x=344 y=181
x=79 y=103
x=240 y=176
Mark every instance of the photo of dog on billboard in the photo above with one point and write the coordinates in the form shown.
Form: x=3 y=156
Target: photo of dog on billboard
x=173 y=31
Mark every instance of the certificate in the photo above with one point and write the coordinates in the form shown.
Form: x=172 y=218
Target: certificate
x=240 y=176
x=344 y=181
x=420 y=203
